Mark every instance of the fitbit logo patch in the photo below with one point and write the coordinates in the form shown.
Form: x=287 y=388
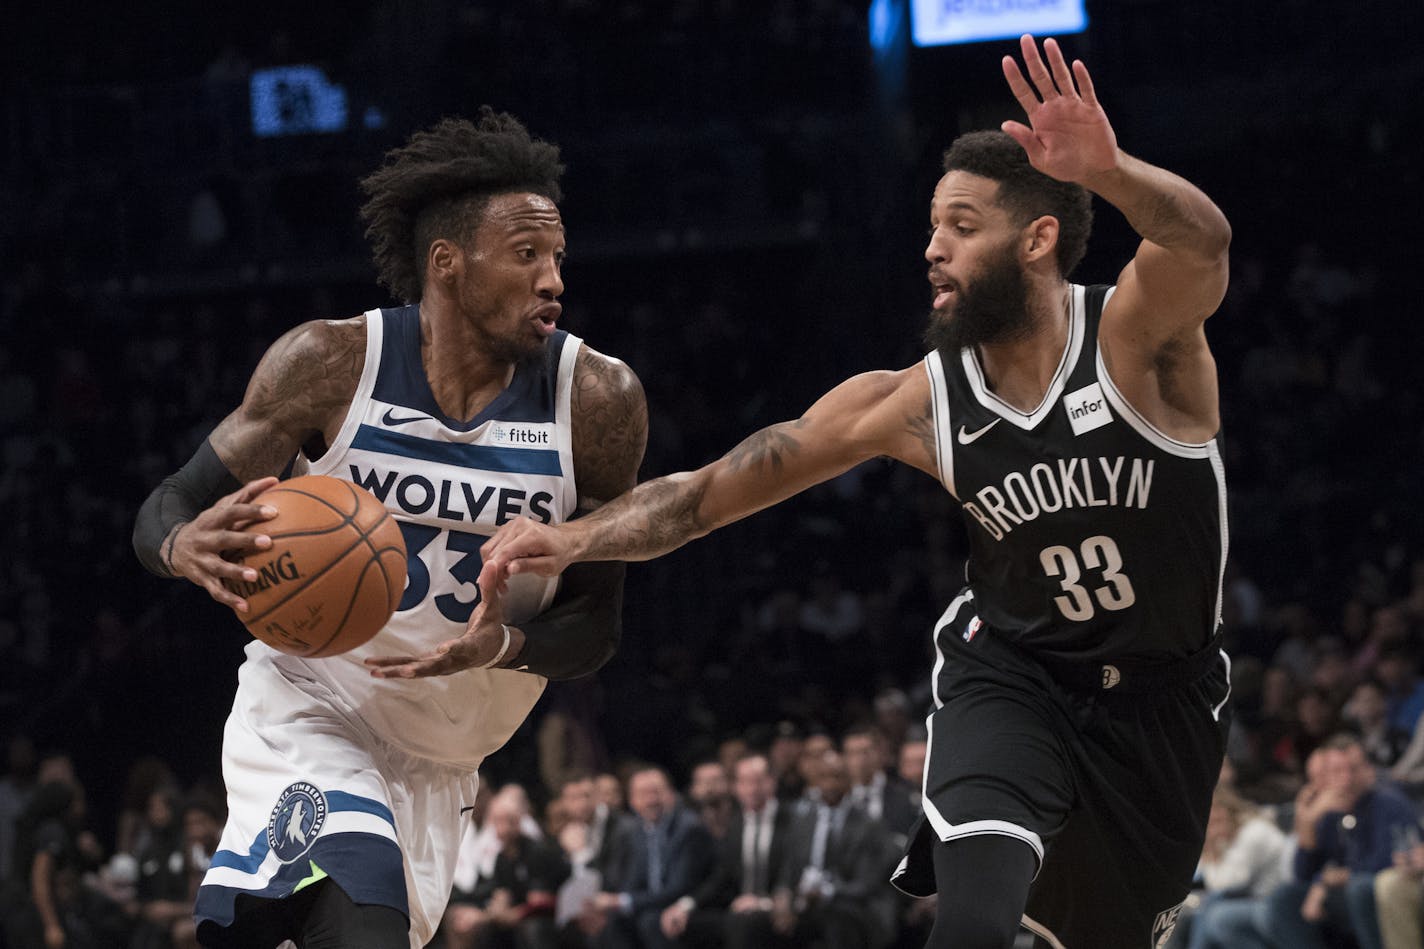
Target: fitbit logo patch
x=518 y=435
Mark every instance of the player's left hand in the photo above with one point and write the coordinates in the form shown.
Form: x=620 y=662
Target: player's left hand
x=1068 y=136
x=482 y=640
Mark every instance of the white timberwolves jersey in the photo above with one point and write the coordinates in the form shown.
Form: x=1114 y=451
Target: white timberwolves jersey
x=449 y=485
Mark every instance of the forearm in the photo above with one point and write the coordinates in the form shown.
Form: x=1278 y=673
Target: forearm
x=41 y=891
x=1164 y=208
x=180 y=497
x=654 y=518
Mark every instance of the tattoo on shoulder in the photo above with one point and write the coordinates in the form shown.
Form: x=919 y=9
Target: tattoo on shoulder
x=768 y=446
x=921 y=425
x=610 y=427
x=306 y=377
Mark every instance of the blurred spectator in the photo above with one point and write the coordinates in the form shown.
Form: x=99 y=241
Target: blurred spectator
x=912 y=767
x=16 y=787
x=892 y=716
x=883 y=797
x=1345 y=830
x=568 y=736
x=147 y=776
x=783 y=755
x=609 y=791
x=1365 y=711
x=732 y=906
x=709 y=792
x=671 y=853
x=1398 y=672
x=1399 y=895
x=46 y=901
x=1242 y=861
x=512 y=907
x=831 y=885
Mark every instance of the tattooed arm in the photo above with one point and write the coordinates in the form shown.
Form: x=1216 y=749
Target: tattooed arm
x=298 y=394
x=878 y=413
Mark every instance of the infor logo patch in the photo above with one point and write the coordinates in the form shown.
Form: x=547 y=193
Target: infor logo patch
x=296 y=821
x=1087 y=409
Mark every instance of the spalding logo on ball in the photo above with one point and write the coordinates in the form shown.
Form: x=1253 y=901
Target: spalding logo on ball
x=334 y=573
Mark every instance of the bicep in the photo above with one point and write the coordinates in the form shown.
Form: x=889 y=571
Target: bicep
x=610 y=428
x=302 y=382
x=1163 y=295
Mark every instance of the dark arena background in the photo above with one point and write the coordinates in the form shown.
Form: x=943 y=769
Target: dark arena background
x=746 y=204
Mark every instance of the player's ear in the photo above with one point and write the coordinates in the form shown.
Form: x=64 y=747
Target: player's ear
x=1040 y=238
x=443 y=260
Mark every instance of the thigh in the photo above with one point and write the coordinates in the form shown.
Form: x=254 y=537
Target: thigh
x=306 y=801
x=333 y=921
x=1144 y=770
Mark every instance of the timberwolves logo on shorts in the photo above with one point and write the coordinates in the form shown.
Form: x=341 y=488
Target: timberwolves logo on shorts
x=296 y=820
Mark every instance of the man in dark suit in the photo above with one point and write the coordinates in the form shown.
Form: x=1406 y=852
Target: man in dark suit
x=604 y=843
x=671 y=853
x=831 y=890
x=881 y=795
x=735 y=900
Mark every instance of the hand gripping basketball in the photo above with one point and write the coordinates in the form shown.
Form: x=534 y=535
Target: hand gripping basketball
x=202 y=549
x=332 y=574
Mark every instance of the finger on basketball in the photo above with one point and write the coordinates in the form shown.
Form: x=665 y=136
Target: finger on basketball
x=225 y=596
x=251 y=489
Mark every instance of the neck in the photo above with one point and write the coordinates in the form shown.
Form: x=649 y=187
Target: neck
x=1020 y=371
x=464 y=375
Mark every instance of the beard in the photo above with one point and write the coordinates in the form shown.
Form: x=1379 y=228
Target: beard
x=992 y=307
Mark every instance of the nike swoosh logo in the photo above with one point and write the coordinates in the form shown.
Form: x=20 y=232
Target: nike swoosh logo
x=967 y=438
x=390 y=419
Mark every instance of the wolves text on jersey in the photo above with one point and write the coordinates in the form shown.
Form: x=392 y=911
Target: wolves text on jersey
x=453 y=500
x=1071 y=483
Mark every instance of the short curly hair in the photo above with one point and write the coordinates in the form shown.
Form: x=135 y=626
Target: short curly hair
x=438 y=184
x=1026 y=192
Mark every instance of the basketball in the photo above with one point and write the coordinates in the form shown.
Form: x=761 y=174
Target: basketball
x=334 y=573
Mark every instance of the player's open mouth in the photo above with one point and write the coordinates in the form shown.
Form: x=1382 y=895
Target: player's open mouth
x=942 y=292
x=546 y=317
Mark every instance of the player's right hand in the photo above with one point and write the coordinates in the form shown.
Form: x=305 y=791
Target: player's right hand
x=197 y=549
x=526 y=546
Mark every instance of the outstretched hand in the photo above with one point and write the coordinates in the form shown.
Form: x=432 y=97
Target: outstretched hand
x=480 y=644
x=527 y=546
x=1068 y=136
x=196 y=549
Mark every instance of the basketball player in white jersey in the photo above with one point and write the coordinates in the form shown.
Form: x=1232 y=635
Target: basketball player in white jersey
x=1079 y=690
x=347 y=776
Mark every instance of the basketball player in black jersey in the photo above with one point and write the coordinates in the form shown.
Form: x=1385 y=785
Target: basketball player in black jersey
x=1080 y=696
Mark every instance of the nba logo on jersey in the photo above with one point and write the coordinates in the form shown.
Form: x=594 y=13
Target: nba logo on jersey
x=296 y=820
x=1162 y=928
x=972 y=629
x=1087 y=409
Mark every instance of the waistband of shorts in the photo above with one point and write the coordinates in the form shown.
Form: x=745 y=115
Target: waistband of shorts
x=1133 y=677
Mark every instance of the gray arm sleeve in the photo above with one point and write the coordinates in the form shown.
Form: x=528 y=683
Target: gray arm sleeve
x=179 y=498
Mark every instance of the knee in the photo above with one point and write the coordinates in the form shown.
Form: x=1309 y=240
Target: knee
x=1394 y=888
x=968 y=926
x=1282 y=904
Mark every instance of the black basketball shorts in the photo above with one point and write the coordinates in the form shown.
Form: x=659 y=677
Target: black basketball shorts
x=1111 y=788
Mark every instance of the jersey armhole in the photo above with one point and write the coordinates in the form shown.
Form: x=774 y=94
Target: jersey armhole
x=564 y=420
x=939 y=405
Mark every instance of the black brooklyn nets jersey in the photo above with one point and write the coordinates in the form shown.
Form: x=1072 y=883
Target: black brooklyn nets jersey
x=1093 y=536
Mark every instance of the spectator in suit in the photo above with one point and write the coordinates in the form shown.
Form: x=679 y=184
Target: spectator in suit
x=671 y=853
x=709 y=792
x=831 y=889
x=511 y=906
x=732 y=907
x=604 y=832
x=882 y=796
x=1345 y=832
x=912 y=766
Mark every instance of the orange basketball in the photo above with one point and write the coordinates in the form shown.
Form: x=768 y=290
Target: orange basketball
x=334 y=573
